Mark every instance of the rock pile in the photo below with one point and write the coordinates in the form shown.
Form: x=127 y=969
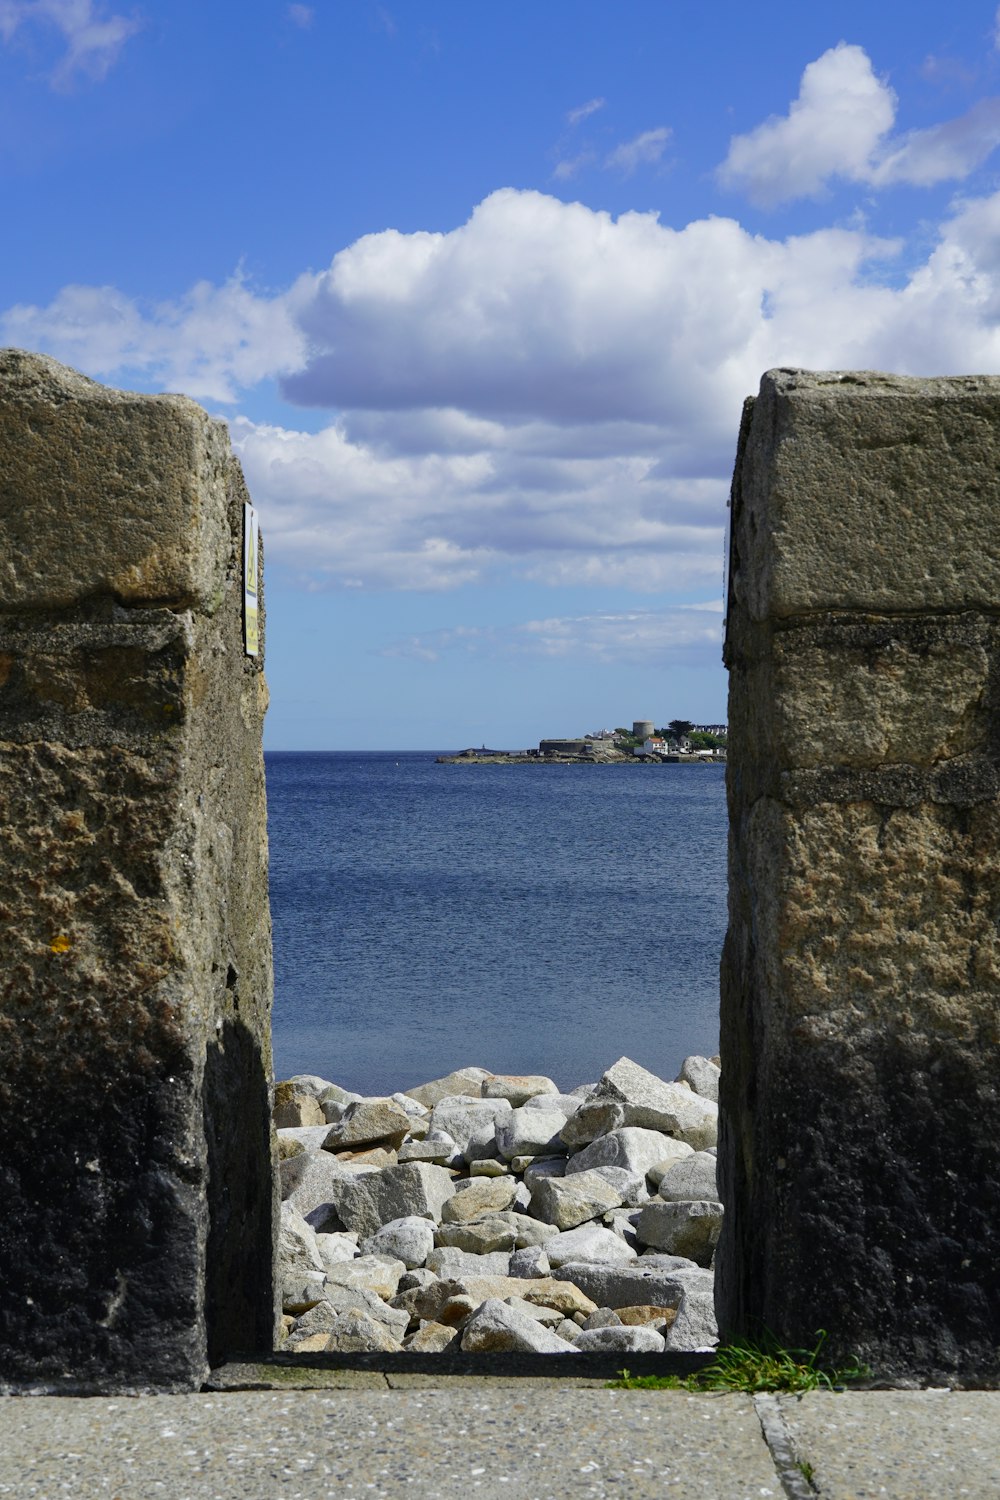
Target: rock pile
x=496 y=1211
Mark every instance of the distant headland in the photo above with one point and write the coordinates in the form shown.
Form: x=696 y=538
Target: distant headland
x=679 y=741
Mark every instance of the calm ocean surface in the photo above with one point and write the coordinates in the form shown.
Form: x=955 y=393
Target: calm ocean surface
x=525 y=919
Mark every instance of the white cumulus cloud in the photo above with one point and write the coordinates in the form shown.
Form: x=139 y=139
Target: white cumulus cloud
x=361 y=515
x=831 y=129
x=540 y=310
x=840 y=126
x=544 y=391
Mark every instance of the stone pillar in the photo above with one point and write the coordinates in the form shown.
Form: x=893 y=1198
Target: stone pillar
x=136 y=1228
x=860 y=1148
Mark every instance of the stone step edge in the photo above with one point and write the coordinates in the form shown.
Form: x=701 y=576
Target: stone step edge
x=344 y=1371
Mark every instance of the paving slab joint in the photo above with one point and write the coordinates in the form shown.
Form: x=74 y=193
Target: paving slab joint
x=781 y=1447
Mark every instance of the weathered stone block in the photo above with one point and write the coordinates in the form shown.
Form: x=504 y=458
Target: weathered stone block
x=430 y=1338
x=107 y=494
x=868 y=491
x=137 y=1237
x=859 y=1160
x=905 y=690
x=529 y=1132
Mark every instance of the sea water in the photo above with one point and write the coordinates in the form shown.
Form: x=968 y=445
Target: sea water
x=532 y=918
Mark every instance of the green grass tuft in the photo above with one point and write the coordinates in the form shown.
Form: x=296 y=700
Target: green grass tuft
x=754 y=1367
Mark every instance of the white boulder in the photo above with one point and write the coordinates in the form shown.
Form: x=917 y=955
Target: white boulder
x=369 y=1122
x=594 y=1118
x=462 y=1083
x=702 y=1075
x=358 y=1332
x=569 y=1201
x=477 y=1196
x=654 y=1104
x=589 y=1244
x=298 y=1251
x=471 y=1123
x=409 y=1239
x=633 y=1147
x=496 y=1326
x=689 y=1229
x=620 y=1340
x=372 y=1273
x=695 y=1327
x=529 y=1132
x=691 y=1179
x=335 y=1249
x=365 y=1203
x=517 y=1088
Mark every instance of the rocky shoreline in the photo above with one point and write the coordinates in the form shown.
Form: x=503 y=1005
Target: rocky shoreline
x=490 y=1212
x=470 y=758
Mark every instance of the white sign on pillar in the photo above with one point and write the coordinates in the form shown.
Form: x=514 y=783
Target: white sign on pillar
x=251 y=581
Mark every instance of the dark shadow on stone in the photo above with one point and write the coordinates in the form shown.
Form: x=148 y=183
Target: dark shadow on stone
x=895 y=1175
x=98 y=1247
x=240 y=1253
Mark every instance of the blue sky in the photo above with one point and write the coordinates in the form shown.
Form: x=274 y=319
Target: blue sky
x=480 y=288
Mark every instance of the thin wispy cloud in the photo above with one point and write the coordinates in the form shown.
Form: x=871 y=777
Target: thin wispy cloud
x=571 y=165
x=643 y=150
x=942 y=153
x=301 y=16
x=947 y=72
x=688 y=634
x=584 y=111
x=94 y=37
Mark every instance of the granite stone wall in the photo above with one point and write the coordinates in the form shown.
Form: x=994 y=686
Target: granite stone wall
x=136 y=1236
x=860 y=1144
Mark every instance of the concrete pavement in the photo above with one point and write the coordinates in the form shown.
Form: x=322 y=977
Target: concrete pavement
x=529 y=1439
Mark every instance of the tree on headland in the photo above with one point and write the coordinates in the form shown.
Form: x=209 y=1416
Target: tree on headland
x=678 y=728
